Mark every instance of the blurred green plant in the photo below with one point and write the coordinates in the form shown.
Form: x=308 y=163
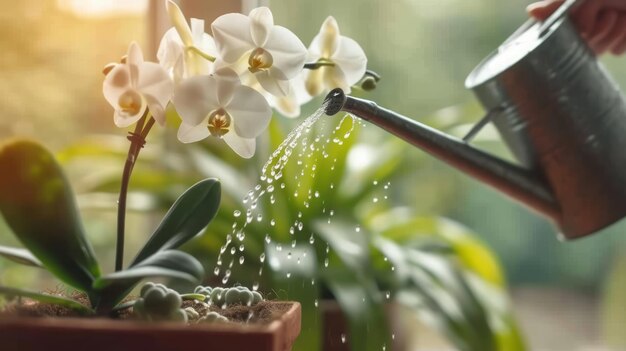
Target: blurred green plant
x=38 y=204
x=371 y=254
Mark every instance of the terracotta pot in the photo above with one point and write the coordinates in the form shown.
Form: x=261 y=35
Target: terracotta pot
x=335 y=325
x=25 y=334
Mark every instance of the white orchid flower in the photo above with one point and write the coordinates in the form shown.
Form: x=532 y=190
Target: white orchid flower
x=182 y=47
x=346 y=58
x=220 y=106
x=134 y=86
x=272 y=53
x=289 y=106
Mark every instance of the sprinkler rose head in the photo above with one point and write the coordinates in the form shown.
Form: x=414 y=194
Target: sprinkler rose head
x=334 y=101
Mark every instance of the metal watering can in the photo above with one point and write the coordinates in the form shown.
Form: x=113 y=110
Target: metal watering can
x=558 y=111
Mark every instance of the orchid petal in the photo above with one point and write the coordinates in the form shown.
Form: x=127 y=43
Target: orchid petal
x=261 y=23
x=227 y=82
x=334 y=77
x=272 y=85
x=153 y=82
x=134 y=59
x=287 y=51
x=197 y=30
x=122 y=120
x=195 y=98
x=250 y=112
x=351 y=58
x=289 y=106
x=314 y=81
x=156 y=109
x=170 y=49
x=232 y=36
x=188 y=133
x=116 y=83
x=180 y=23
x=328 y=38
x=243 y=147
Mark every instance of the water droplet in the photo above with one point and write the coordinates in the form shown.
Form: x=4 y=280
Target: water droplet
x=326 y=262
x=300 y=226
x=272 y=199
x=216 y=271
x=312 y=281
x=259 y=217
x=268 y=239
x=388 y=295
x=375 y=200
x=375 y=182
x=272 y=222
x=288 y=275
x=262 y=257
x=357 y=229
x=393 y=336
x=241 y=259
x=279 y=247
x=343 y=338
x=291 y=230
x=270 y=189
x=233 y=250
x=316 y=303
x=282 y=185
x=312 y=239
x=241 y=248
x=237 y=213
x=257 y=187
x=255 y=286
x=289 y=255
x=317 y=194
x=393 y=268
x=293 y=244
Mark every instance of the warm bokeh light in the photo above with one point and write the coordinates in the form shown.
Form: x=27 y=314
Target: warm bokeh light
x=99 y=8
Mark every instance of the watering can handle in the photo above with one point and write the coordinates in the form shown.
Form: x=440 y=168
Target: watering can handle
x=556 y=15
x=481 y=124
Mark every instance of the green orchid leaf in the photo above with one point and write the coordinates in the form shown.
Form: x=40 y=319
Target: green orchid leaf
x=38 y=204
x=187 y=217
x=168 y=263
x=112 y=288
x=47 y=298
x=21 y=256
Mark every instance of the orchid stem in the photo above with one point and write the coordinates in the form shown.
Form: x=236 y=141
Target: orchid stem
x=318 y=64
x=201 y=53
x=137 y=141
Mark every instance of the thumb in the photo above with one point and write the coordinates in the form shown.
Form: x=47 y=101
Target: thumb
x=543 y=9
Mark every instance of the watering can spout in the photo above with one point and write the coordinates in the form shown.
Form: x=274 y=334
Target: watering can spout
x=519 y=183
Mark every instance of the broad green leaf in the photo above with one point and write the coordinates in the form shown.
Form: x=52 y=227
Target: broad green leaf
x=187 y=217
x=38 y=204
x=21 y=256
x=112 y=288
x=46 y=298
x=168 y=263
x=348 y=241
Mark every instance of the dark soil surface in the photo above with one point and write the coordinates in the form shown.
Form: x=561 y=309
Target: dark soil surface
x=262 y=313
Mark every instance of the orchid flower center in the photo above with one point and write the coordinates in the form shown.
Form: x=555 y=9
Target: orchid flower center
x=130 y=103
x=219 y=123
x=259 y=60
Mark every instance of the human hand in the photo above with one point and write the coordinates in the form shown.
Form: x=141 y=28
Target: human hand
x=602 y=23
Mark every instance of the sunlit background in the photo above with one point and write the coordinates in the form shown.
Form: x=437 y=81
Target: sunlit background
x=564 y=294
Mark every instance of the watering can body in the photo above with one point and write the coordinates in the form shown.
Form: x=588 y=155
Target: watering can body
x=559 y=112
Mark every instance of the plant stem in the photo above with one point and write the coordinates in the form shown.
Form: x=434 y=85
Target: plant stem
x=137 y=141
